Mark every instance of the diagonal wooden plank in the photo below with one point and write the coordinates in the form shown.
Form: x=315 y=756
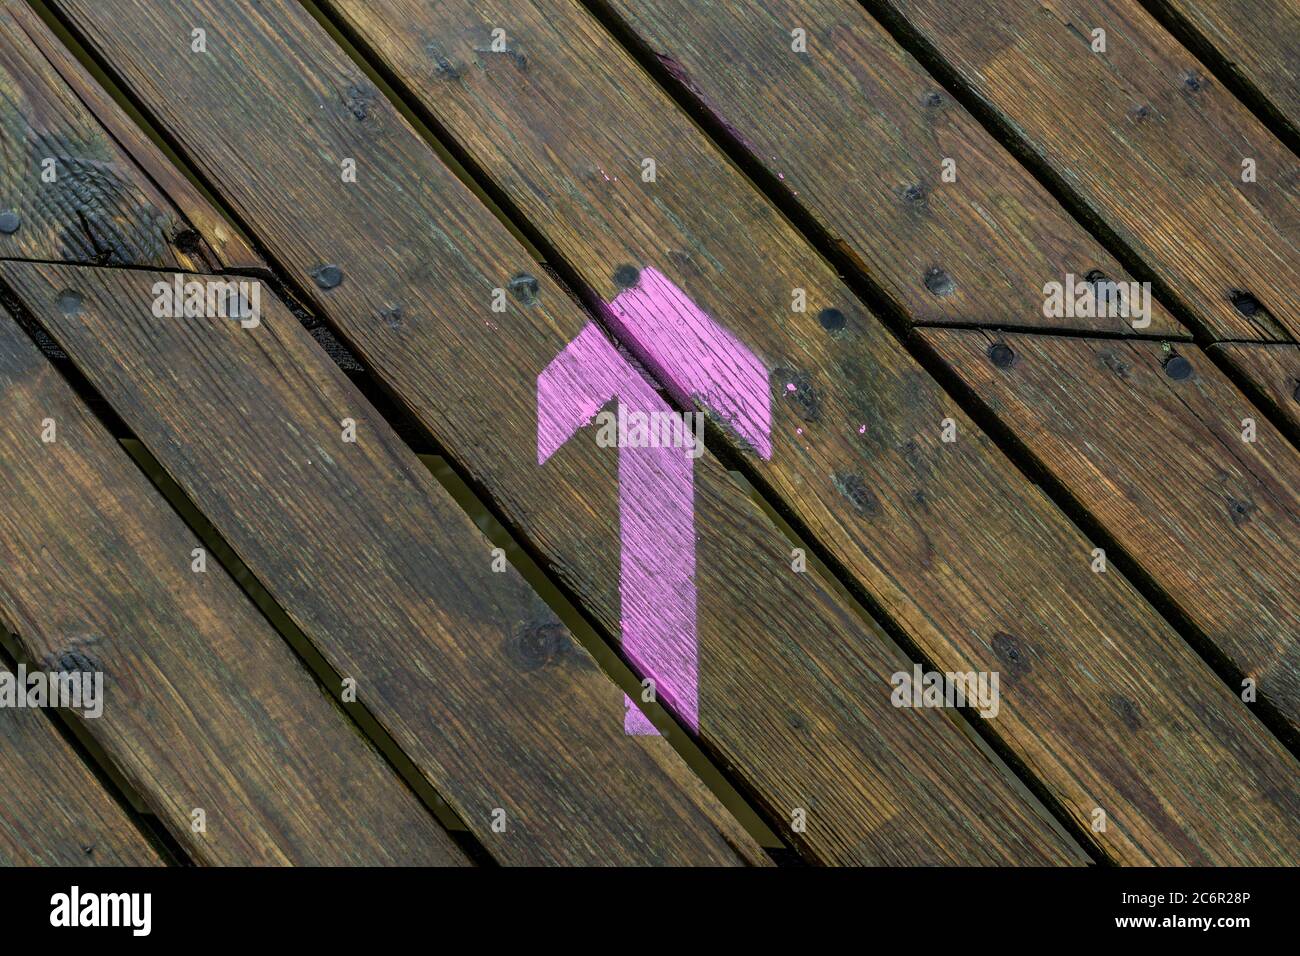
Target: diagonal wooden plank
x=858 y=135
x=1160 y=447
x=204 y=705
x=115 y=197
x=54 y=812
x=783 y=703
x=1255 y=42
x=855 y=101
x=1070 y=635
x=476 y=679
x=1275 y=369
x=1145 y=139
x=820 y=117
x=974 y=564
x=77 y=178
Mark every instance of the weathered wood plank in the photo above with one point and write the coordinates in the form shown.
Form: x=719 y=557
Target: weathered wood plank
x=797 y=707
x=1256 y=42
x=979 y=569
x=204 y=705
x=470 y=672
x=1147 y=141
x=73 y=181
x=1161 y=448
x=53 y=812
x=857 y=134
x=1275 y=369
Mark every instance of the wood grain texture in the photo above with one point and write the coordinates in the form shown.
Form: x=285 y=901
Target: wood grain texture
x=54 y=812
x=1259 y=43
x=971 y=561
x=103 y=205
x=471 y=673
x=204 y=704
x=857 y=132
x=1275 y=369
x=797 y=706
x=1146 y=139
x=1212 y=518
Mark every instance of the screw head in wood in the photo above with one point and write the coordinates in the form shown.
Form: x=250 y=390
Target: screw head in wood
x=327 y=276
x=1178 y=368
x=9 y=222
x=525 y=288
x=832 y=320
x=1245 y=303
x=625 y=277
x=69 y=302
x=1001 y=355
x=939 y=282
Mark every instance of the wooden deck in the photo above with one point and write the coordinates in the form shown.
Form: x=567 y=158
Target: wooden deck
x=364 y=588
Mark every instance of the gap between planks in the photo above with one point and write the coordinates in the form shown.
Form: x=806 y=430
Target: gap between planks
x=295 y=286
x=545 y=253
x=97 y=763
x=1217 y=659
x=1225 y=70
x=311 y=659
x=75 y=50
x=328 y=677
x=857 y=278
x=561 y=602
x=933 y=61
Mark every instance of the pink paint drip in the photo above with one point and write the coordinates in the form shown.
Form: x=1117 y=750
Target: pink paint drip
x=656 y=486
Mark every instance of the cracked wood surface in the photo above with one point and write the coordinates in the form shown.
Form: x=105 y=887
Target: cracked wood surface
x=106 y=202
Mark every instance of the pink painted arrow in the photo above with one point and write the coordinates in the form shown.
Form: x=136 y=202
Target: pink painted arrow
x=700 y=362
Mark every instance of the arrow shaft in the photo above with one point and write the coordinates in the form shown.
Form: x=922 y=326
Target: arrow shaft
x=657 y=577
